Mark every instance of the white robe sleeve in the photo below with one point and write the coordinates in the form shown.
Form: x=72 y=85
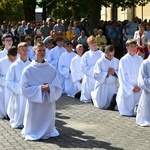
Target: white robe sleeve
x=74 y=71
x=53 y=62
x=2 y=78
x=143 y=79
x=31 y=92
x=14 y=86
x=63 y=69
x=117 y=63
x=99 y=75
x=124 y=79
x=34 y=93
x=55 y=89
x=87 y=69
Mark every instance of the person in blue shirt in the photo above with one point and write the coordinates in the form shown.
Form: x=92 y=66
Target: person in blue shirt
x=28 y=31
x=115 y=36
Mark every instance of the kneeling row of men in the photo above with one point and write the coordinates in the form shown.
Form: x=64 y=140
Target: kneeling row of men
x=96 y=75
x=40 y=86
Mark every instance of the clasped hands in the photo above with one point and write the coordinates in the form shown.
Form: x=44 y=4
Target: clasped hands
x=45 y=87
x=111 y=71
x=136 y=89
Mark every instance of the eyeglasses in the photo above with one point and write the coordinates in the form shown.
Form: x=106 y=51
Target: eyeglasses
x=8 y=40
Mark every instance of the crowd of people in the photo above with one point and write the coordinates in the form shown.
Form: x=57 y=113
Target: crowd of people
x=50 y=59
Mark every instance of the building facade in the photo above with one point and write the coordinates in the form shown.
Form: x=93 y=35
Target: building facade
x=141 y=12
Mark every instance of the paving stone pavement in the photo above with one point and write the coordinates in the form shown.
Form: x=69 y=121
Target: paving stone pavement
x=82 y=126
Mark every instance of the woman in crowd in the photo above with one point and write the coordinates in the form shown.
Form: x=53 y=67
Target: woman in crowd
x=141 y=37
x=101 y=40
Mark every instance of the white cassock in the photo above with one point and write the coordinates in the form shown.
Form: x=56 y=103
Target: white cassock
x=127 y=76
x=3 y=53
x=47 y=54
x=143 y=111
x=31 y=54
x=105 y=86
x=17 y=102
x=39 y=120
x=76 y=72
x=53 y=59
x=88 y=61
x=4 y=91
x=54 y=56
x=64 y=69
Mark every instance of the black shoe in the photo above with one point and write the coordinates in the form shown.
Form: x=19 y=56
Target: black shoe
x=6 y=118
x=77 y=95
x=113 y=102
x=20 y=127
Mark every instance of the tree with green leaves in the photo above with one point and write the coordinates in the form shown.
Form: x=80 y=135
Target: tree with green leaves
x=65 y=9
x=75 y=10
x=11 y=10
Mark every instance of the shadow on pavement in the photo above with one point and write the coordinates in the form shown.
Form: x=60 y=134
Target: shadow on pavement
x=72 y=138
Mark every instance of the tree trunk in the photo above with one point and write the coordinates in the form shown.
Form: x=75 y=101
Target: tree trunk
x=114 y=12
x=44 y=11
x=29 y=10
x=95 y=15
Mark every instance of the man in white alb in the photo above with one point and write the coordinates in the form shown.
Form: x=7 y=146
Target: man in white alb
x=129 y=92
x=88 y=61
x=41 y=87
x=105 y=74
x=17 y=102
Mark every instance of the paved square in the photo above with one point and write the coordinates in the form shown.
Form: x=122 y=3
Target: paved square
x=82 y=126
